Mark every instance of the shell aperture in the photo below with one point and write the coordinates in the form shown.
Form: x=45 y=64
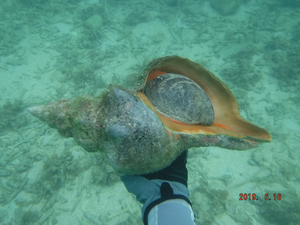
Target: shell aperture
x=227 y=120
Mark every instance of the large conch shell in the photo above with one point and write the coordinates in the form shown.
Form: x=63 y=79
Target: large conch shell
x=135 y=136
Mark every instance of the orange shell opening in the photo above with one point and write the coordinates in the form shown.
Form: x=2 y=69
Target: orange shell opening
x=227 y=119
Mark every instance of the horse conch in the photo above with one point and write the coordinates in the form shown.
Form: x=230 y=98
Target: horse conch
x=177 y=104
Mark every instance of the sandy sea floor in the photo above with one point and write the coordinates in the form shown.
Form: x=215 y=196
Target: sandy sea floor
x=63 y=49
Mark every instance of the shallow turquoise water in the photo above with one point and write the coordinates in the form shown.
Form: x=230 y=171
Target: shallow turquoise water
x=62 y=49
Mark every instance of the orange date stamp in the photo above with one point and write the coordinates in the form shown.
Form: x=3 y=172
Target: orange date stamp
x=249 y=196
